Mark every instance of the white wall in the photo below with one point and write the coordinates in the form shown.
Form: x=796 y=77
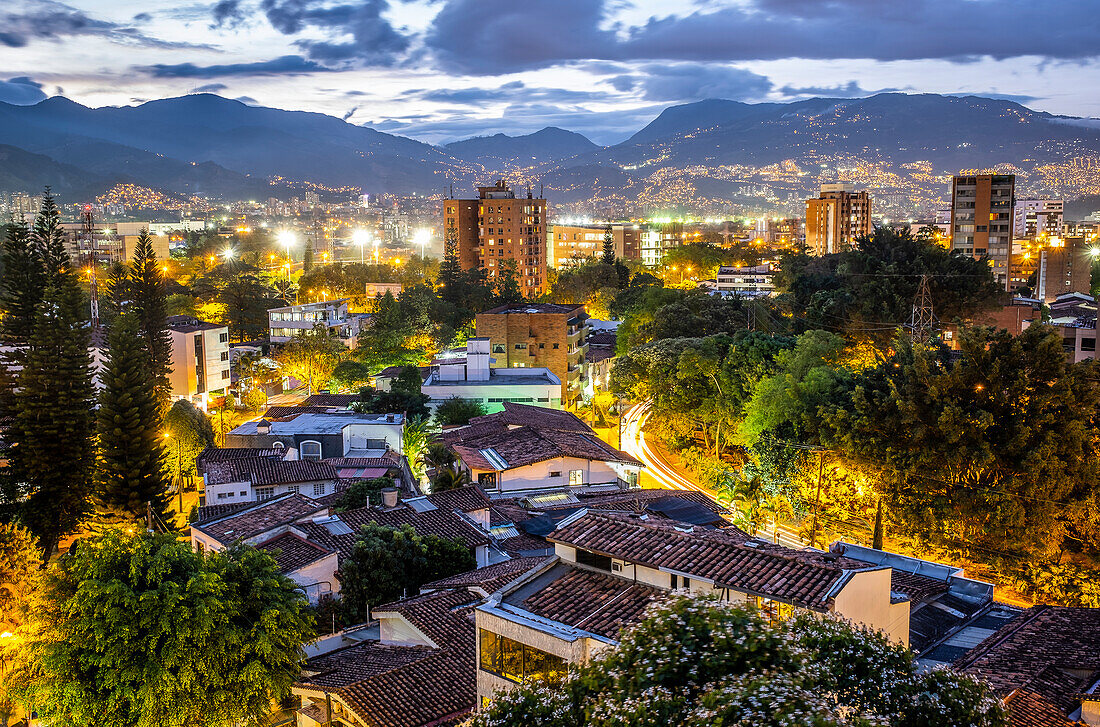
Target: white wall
x=318 y=578
x=537 y=475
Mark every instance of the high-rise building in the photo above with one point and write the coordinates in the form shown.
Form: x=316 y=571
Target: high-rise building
x=1034 y=217
x=836 y=218
x=981 y=220
x=498 y=227
x=1065 y=266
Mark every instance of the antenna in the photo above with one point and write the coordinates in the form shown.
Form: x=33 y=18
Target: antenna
x=923 y=321
x=88 y=233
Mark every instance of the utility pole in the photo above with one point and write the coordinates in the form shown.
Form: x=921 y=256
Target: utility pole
x=817 y=496
x=88 y=233
x=922 y=322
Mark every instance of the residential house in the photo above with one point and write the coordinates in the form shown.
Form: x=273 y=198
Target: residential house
x=200 y=360
x=599 y=358
x=321 y=434
x=528 y=449
x=289 y=321
x=254 y=479
x=467 y=374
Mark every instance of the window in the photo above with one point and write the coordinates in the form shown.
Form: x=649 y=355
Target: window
x=319 y=489
x=225 y=374
x=310 y=450
x=594 y=560
x=1088 y=344
x=225 y=355
x=774 y=611
x=518 y=662
x=264 y=493
x=555 y=345
x=555 y=474
x=294 y=489
x=576 y=478
x=278 y=445
x=521 y=346
x=223 y=338
x=680 y=582
x=542 y=345
x=244 y=493
x=223 y=495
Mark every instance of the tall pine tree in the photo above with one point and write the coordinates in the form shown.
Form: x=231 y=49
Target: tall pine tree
x=21 y=284
x=450 y=270
x=608 y=246
x=149 y=300
x=48 y=238
x=130 y=468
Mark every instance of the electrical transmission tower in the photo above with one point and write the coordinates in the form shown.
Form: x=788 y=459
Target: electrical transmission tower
x=88 y=233
x=922 y=323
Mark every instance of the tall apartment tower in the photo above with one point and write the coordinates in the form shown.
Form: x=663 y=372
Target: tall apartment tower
x=981 y=220
x=498 y=226
x=836 y=218
x=1033 y=217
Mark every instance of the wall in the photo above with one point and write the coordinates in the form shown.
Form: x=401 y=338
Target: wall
x=393 y=629
x=318 y=578
x=538 y=333
x=865 y=599
x=537 y=475
x=536 y=392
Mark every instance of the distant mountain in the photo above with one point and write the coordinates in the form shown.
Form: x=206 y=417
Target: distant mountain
x=723 y=156
x=549 y=144
x=20 y=170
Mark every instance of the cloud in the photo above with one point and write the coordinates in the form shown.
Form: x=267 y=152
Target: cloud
x=282 y=66
x=848 y=90
x=21 y=91
x=227 y=13
x=23 y=21
x=511 y=92
x=247 y=100
x=492 y=37
x=694 y=81
x=209 y=88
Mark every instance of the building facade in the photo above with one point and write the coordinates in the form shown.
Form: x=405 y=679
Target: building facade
x=468 y=375
x=287 y=322
x=545 y=335
x=836 y=218
x=200 y=360
x=498 y=227
x=758 y=280
x=1037 y=217
x=981 y=220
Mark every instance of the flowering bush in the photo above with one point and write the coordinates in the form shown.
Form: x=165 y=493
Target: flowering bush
x=700 y=662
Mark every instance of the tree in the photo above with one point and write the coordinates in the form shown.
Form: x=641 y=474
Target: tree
x=20 y=286
x=449 y=478
x=149 y=302
x=53 y=453
x=20 y=562
x=449 y=281
x=131 y=474
x=307 y=256
x=116 y=298
x=507 y=284
x=608 y=246
x=48 y=238
x=456 y=411
x=350 y=374
x=363 y=493
x=185 y=638
x=311 y=357
x=697 y=662
x=414 y=442
x=189 y=433
x=389 y=563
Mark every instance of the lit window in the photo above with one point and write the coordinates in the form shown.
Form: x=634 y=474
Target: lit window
x=576 y=478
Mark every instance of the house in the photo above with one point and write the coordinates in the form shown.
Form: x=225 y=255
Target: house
x=752 y=281
x=467 y=374
x=315 y=434
x=608 y=567
x=289 y=321
x=527 y=448
x=254 y=479
x=1045 y=666
x=200 y=360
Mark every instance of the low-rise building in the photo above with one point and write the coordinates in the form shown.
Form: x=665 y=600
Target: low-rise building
x=254 y=479
x=289 y=321
x=467 y=374
x=528 y=449
x=1075 y=315
x=757 y=280
x=318 y=435
x=201 y=368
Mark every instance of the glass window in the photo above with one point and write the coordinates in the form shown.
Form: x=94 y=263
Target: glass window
x=576 y=478
x=319 y=489
x=311 y=450
x=278 y=445
x=264 y=493
x=223 y=338
x=518 y=662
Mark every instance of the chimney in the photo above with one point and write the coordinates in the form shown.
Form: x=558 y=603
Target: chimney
x=389 y=497
x=263 y=427
x=389 y=418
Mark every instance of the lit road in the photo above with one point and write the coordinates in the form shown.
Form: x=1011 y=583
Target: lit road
x=666 y=475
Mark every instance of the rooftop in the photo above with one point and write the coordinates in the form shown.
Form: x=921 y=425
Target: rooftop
x=533 y=308
x=187 y=324
x=260 y=517
x=490 y=578
x=262 y=471
x=331 y=400
x=725 y=556
x=291 y=551
x=311 y=422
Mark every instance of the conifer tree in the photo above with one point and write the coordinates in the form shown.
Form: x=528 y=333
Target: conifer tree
x=130 y=467
x=608 y=246
x=149 y=301
x=307 y=257
x=116 y=299
x=450 y=270
x=21 y=284
x=48 y=238
x=52 y=456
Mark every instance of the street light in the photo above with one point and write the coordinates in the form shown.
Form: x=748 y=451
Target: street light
x=421 y=238
x=286 y=238
x=376 y=241
x=360 y=238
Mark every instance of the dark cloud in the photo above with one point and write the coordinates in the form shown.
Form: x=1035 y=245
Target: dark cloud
x=357 y=30
x=227 y=13
x=500 y=36
x=679 y=81
x=24 y=21
x=21 y=91
x=247 y=100
x=142 y=18
x=209 y=88
x=848 y=90
x=511 y=92
x=350 y=112
x=282 y=66
x=1014 y=97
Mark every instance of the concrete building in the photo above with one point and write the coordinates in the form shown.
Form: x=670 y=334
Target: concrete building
x=657 y=239
x=287 y=322
x=1075 y=315
x=544 y=335
x=1037 y=217
x=200 y=359
x=836 y=218
x=781 y=231
x=497 y=227
x=757 y=280
x=467 y=374
x=981 y=220
x=1064 y=266
x=574 y=244
x=322 y=434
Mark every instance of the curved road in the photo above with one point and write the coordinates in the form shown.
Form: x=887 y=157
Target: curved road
x=634 y=443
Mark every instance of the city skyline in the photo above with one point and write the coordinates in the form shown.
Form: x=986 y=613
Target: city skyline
x=439 y=71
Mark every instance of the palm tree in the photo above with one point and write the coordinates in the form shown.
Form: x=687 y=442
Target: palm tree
x=414 y=440
x=437 y=456
x=776 y=506
x=449 y=478
x=748 y=493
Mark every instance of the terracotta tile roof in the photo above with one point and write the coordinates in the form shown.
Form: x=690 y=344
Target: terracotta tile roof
x=526 y=445
x=595 y=355
x=804 y=578
x=524 y=544
x=602 y=338
x=1028 y=709
x=916 y=587
x=214 y=454
x=599 y=603
x=539 y=417
x=260 y=517
x=268 y=471
x=489 y=578
x=463 y=499
x=1042 y=652
x=292 y=551
x=389 y=459
x=284 y=413
x=212 y=512
x=331 y=400
x=408 y=686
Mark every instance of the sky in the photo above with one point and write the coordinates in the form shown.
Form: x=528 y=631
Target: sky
x=440 y=70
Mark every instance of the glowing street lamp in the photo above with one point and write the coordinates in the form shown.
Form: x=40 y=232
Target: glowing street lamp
x=376 y=241
x=360 y=238
x=286 y=239
x=422 y=237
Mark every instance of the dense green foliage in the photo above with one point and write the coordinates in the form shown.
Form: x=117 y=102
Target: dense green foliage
x=143 y=631
x=456 y=411
x=362 y=494
x=189 y=433
x=20 y=285
x=311 y=357
x=390 y=563
x=130 y=470
x=699 y=662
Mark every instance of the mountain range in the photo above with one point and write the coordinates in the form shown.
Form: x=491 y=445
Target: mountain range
x=714 y=154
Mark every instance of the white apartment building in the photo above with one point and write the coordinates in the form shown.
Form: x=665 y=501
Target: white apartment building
x=285 y=323
x=200 y=360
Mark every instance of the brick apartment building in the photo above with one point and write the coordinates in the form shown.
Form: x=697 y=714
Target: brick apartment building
x=498 y=226
x=549 y=335
x=981 y=220
x=836 y=218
